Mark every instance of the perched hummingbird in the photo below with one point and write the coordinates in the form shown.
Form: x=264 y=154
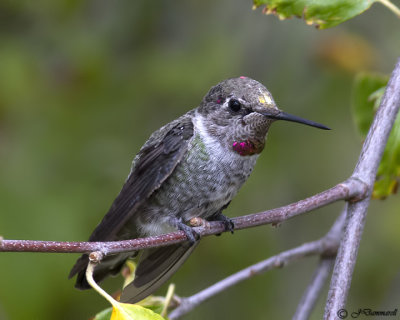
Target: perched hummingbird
x=191 y=167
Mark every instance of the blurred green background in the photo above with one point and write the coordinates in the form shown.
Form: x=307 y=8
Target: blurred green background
x=84 y=83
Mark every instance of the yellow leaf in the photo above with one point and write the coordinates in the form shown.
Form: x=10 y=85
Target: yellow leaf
x=126 y=311
x=128 y=272
x=121 y=311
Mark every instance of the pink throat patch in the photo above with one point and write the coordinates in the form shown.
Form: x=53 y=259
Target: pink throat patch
x=245 y=148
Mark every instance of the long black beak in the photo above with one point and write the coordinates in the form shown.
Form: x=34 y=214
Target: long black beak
x=288 y=117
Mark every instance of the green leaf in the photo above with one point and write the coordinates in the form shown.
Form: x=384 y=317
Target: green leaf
x=321 y=13
x=389 y=169
x=104 y=315
x=367 y=93
x=154 y=303
x=384 y=187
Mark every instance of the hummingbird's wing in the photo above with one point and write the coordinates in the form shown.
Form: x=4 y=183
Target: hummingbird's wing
x=152 y=166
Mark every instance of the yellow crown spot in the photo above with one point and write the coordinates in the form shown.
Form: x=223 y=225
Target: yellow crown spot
x=265 y=99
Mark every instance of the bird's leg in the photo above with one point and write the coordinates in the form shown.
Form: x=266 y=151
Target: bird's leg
x=218 y=216
x=228 y=223
x=191 y=235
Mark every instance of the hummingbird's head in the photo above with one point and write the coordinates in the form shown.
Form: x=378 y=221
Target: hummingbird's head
x=239 y=112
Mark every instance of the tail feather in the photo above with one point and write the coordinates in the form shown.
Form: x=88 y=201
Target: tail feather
x=155 y=267
x=80 y=269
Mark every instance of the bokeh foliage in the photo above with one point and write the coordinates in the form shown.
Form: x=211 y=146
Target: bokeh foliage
x=84 y=83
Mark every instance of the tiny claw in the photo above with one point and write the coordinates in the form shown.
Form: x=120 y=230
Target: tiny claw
x=229 y=225
x=190 y=233
x=228 y=222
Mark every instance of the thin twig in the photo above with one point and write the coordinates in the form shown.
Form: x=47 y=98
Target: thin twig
x=365 y=170
x=168 y=299
x=278 y=261
x=343 y=191
x=313 y=291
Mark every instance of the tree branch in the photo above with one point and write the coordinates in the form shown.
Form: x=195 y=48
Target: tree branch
x=313 y=291
x=365 y=171
x=284 y=258
x=347 y=190
x=325 y=247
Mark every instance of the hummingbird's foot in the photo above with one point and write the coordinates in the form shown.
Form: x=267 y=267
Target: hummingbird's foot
x=191 y=235
x=228 y=223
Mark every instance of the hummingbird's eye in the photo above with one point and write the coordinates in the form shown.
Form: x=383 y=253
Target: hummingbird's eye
x=234 y=105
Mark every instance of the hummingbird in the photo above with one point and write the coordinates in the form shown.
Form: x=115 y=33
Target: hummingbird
x=190 y=167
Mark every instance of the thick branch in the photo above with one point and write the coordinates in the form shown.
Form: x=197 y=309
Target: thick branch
x=365 y=171
x=343 y=191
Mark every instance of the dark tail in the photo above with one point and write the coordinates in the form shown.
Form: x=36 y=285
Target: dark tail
x=110 y=265
x=155 y=267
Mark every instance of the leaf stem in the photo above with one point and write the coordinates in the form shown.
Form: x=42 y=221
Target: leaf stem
x=168 y=299
x=391 y=7
x=95 y=286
